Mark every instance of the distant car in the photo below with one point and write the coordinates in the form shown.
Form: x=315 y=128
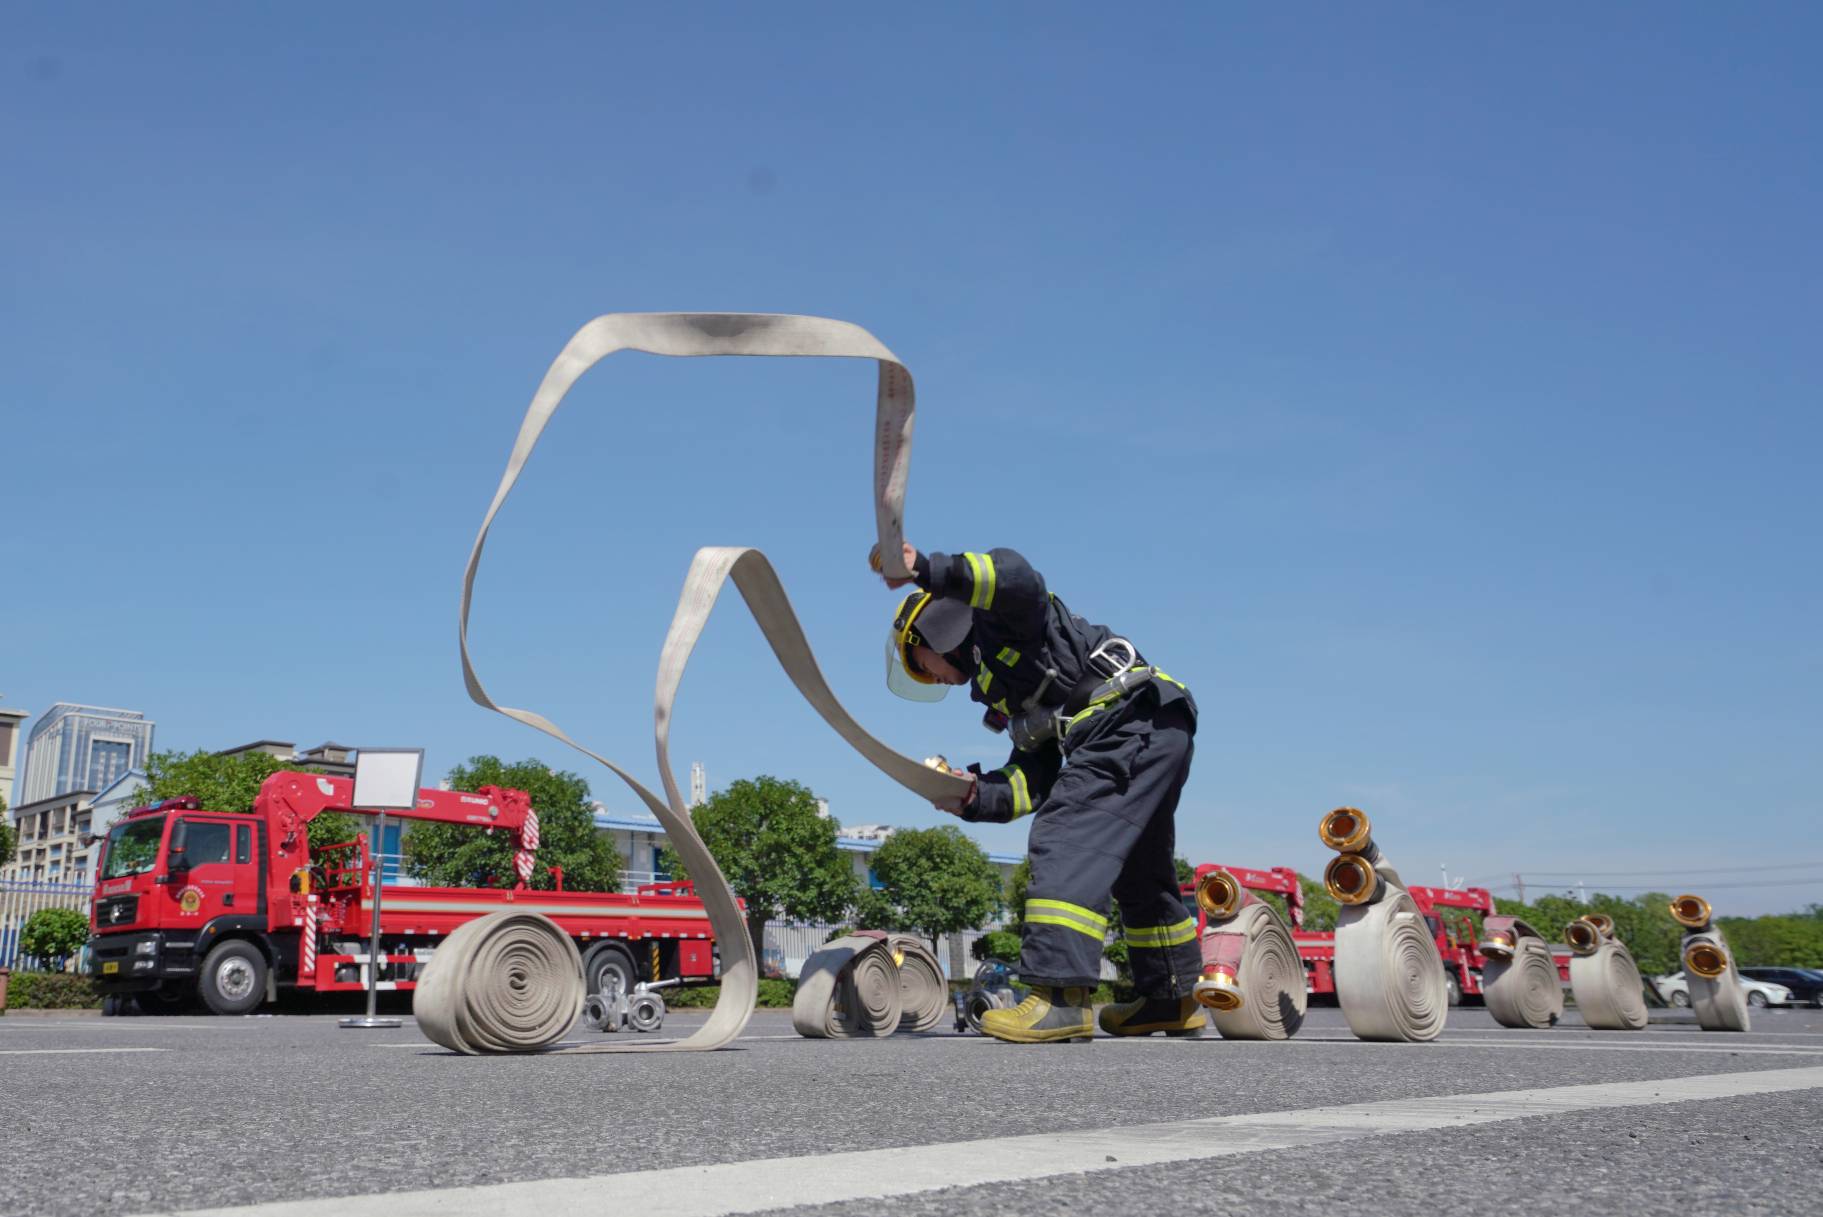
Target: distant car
x=1675 y=991
x=1806 y=984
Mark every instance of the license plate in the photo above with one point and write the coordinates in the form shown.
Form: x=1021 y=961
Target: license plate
x=110 y=967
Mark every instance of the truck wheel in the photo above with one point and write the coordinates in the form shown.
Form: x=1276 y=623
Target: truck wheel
x=234 y=978
x=608 y=970
x=1452 y=989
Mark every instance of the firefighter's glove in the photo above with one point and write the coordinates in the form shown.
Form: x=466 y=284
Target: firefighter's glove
x=965 y=805
x=911 y=564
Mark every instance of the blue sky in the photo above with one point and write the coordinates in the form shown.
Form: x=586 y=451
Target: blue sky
x=1436 y=391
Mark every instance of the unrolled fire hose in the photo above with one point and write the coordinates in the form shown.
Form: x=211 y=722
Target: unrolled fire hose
x=1518 y=975
x=1389 y=978
x=1604 y=980
x=1253 y=980
x=868 y=984
x=513 y=982
x=1716 y=993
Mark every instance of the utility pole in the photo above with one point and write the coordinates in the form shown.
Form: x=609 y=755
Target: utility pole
x=1519 y=885
x=699 y=784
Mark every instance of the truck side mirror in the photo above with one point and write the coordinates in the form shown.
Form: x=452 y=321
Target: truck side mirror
x=176 y=864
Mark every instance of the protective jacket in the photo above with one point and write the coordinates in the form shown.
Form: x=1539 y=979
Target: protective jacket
x=1021 y=631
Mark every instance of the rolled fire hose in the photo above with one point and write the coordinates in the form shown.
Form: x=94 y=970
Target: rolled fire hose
x=1716 y=993
x=923 y=993
x=507 y=982
x=1518 y=976
x=1253 y=980
x=1604 y=980
x=1389 y=978
x=869 y=984
x=464 y=1004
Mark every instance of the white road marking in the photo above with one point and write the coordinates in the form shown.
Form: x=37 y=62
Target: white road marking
x=89 y=1025
x=70 y=1051
x=768 y=1183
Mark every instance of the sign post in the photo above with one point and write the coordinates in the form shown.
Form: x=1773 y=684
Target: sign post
x=385 y=779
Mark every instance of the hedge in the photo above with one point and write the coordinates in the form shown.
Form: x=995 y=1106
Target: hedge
x=51 y=991
x=774 y=995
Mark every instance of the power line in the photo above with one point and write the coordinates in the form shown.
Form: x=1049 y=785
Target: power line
x=1669 y=871
x=1652 y=887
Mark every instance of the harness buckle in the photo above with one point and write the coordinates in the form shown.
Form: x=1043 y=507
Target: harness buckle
x=1113 y=657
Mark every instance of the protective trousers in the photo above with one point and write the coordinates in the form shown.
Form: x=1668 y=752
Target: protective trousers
x=1108 y=826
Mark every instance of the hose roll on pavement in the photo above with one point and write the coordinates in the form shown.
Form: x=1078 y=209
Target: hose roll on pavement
x=706 y=334
x=506 y=982
x=1605 y=981
x=849 y=989
x=1389 y=979
x=1519 y=976
x=923 y=993
x=1269 y=978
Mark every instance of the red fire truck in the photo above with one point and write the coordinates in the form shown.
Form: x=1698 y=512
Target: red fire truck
x=231 y=907
x=1455 y=933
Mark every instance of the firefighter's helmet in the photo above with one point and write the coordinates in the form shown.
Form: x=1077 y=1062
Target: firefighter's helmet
x=923 y=620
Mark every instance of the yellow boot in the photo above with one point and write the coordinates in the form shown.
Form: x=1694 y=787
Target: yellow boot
x=1047 y=1015
x=1172 y=1015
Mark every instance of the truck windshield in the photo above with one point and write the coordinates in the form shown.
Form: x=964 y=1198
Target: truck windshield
x=133 y=847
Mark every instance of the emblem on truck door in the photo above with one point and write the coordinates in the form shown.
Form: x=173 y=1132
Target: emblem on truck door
x=190 y=900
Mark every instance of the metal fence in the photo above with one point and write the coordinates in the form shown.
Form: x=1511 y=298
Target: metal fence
x=789 y=944
x=20 y=898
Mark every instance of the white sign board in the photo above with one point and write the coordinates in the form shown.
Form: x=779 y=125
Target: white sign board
x=387 y=779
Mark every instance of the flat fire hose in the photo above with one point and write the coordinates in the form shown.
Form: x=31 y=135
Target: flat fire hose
x=1604 y=980
x=1518 y=975
x=869 y=984
x=1263 y=995
x=473 y=998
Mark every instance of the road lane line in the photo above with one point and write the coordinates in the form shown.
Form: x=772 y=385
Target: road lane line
x=743 y=1187
x=70 y=1051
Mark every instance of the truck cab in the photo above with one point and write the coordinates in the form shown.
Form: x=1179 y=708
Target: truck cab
x=173 y=879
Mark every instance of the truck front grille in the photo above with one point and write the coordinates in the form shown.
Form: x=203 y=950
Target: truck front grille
x=117 y=910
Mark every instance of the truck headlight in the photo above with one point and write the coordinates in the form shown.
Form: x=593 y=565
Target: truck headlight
x=140 y=965
x=148 y=947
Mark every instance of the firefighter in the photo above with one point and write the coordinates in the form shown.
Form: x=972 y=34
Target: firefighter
x=1101 y=746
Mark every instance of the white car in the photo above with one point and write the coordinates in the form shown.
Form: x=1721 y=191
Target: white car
x=1675 y=991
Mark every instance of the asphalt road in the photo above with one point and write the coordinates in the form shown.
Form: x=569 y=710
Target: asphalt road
x=176 y=1114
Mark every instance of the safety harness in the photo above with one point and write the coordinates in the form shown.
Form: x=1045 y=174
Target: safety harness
x=1113 y=672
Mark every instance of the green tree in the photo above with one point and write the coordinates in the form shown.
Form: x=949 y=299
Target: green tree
x=9 y=840
x=231 y=783
x=1320 y=908
x=777 y=853
x=54 y=934
x=1793 y=941
x=936 y=881
x=462 y=855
